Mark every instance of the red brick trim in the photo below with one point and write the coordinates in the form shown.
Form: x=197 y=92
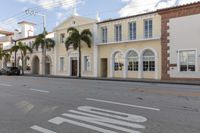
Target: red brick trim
x=166 y=15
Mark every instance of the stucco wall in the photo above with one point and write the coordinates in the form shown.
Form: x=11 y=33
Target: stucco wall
x=184 y=34
x=105 y=51
x=81 y=24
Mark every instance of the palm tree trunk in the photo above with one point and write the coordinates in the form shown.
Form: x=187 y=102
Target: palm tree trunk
x=22 y=65
x=79 y=60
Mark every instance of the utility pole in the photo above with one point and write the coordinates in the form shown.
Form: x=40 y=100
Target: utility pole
x=34 y=13
x=15 y=64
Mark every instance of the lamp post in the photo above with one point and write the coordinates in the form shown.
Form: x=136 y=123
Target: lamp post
x=34 y=13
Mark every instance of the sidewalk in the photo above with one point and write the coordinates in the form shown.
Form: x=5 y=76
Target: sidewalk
x=178 y=82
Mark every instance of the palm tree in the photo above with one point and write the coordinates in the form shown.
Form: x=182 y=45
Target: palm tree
x=23 y=50
x=4 y=55
x=44 y=43
x=76 y=38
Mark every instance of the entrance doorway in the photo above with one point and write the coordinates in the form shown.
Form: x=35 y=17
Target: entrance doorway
x=74 y=67
x=48 y=66
x=35 y=65
x=104 y=67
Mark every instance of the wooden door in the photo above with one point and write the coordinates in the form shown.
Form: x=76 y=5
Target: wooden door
x=74 y=68
x=104 y=67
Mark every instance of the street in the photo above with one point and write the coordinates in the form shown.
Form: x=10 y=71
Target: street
x=53 y=105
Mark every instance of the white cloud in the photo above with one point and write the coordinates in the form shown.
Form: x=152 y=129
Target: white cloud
x=140 y=6
x=49 y=4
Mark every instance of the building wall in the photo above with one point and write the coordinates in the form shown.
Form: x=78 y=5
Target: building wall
x=125 y=28
x=80 y=24
x=169 y=16
x=105 y=50
x=36 y=53
x=186 y=38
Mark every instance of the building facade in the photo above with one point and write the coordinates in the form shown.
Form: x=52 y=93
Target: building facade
x=67 y=61
x=180 y=42
x=130 y=47
x=5 y=41
x=156 y=45
x=32 y=61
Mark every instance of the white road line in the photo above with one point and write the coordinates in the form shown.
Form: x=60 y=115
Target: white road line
x=59 y=120
x=123 y=104
x=43 y=91
x=7 y=85
x=42 y=130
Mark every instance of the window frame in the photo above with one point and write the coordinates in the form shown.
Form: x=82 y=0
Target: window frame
x=118 y=32
x=117 y=62
x=62 y=38
x=148 y=60
x=149 y=33
x=63 y=63
x=196 y=60
x=134 y=61
x=131 y=34
x=104 y=34
x=87 y=67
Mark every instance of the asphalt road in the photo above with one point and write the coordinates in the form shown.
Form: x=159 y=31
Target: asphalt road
x=45 y=105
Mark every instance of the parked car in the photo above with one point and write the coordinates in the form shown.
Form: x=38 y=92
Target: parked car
x=10 y=71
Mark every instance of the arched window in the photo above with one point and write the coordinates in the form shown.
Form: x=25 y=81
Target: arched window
x=118 y=61
x=148 y=61
x=132 y=58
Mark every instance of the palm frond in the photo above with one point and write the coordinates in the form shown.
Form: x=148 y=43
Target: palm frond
x=50 y=43
x=68 y=42
x=87 y=40
x=72 y=30
x=86 y=32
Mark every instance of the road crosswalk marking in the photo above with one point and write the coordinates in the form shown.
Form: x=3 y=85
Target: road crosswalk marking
x=41 y=129
x=92 y=117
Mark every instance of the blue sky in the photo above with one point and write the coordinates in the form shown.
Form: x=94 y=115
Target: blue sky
x=57 y=10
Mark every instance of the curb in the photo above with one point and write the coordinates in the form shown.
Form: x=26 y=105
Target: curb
x=195 y=83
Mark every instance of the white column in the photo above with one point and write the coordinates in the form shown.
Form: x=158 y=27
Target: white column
x=69 y=66
x=125 y=68
x=95 y=52
x=111 y=67
x=140 y=67
x=156 y=67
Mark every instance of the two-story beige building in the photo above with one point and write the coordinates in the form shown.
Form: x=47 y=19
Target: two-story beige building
x=130 y=47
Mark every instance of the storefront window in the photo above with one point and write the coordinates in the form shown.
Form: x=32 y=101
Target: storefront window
x=148 y=61
x=187 y=61
x=132 y=61
x=118 y=62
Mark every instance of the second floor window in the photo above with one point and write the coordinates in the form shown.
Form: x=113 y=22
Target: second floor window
x=62 y=38
x=132 y=30
x=118 y=32
x=104 y=31
x=148 y=28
